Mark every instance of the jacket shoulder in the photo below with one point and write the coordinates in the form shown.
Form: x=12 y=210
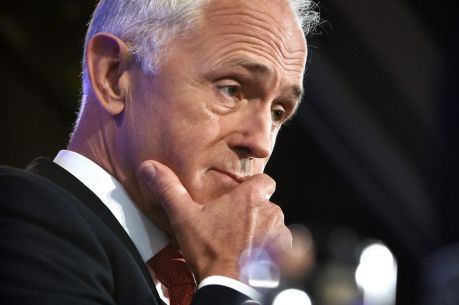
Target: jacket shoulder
x=55 y=250
x=21 y=186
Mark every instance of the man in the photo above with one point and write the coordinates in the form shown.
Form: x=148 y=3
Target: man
x=182 y=103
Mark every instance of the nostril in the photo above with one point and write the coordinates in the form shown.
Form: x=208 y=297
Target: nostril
x=243 y=151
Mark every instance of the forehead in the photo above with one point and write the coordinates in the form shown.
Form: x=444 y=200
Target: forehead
x=265 y=29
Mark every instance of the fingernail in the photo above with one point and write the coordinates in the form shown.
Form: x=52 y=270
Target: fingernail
x=149 y=173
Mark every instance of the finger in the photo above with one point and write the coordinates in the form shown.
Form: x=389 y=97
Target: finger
x=280 y=245
x=285 y=240
x=259 y=187
x=165 y=184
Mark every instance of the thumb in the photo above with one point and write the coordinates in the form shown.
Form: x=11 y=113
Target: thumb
x=165 y=184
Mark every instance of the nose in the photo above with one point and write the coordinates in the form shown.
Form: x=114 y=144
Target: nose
x=253 y=136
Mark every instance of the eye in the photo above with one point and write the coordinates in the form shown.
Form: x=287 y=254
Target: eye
x=231 y=91
x=278 y=115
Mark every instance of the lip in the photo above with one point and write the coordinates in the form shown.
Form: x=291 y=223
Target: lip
x=236 y=177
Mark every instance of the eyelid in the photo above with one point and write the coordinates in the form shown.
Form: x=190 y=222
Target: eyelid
x=286 y=108
x=227 y=83
x=283 y=117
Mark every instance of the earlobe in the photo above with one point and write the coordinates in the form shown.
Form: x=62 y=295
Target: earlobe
x=108 y=59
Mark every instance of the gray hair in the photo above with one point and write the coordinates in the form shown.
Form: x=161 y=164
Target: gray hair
x=148 y=25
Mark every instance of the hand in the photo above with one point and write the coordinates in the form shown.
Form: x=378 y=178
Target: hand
x=213 y=235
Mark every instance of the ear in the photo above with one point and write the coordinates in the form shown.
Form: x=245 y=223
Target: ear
x=107 y=59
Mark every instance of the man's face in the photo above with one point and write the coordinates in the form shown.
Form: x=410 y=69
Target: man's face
x=213 y=113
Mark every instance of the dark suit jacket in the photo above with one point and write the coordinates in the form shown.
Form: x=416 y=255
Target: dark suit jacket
x=59 y=244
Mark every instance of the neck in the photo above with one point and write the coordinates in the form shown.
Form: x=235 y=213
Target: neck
x=95 y=137
x=92 y=138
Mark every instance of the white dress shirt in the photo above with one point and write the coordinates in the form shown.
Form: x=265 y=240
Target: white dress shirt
x=146 y=236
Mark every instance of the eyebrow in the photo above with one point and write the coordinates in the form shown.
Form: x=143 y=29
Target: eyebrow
x=259 y=68
x=253 y=67
x=298 y=93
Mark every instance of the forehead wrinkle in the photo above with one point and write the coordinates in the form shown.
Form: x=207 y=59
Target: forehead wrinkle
x=254 y=43
x=254 y=17
x=251 y=42
x=251 y=65
x=230 y=12
x=260 y=52
x=278 y=39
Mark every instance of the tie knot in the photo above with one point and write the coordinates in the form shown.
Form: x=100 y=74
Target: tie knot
x=171 y=269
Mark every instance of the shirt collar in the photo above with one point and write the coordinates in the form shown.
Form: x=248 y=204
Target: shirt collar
x=146 y=236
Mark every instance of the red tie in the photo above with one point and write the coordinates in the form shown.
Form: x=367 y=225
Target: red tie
x=172 y=271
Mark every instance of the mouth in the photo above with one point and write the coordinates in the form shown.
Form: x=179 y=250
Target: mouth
x=238 y=178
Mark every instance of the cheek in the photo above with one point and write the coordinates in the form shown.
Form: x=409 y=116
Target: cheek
x=194 y=127
x=185 y=142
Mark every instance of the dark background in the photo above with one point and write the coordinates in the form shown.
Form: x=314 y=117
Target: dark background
x=373 y=148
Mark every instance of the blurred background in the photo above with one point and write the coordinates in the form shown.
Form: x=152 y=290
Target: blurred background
x=367 y=171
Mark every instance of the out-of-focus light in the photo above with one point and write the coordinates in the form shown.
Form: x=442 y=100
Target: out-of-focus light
x=259 y=269
x=376 y=275
x=292 y=297
x=376 y=269
x=301 y=256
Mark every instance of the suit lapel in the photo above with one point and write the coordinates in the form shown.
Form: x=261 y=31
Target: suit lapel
x=50 y=170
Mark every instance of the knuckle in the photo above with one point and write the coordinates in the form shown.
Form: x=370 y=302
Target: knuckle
x=272 y=182
x=253 y=194
x=261 y=187
x=276 y=210
x=278 y=214
x=268 y=181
